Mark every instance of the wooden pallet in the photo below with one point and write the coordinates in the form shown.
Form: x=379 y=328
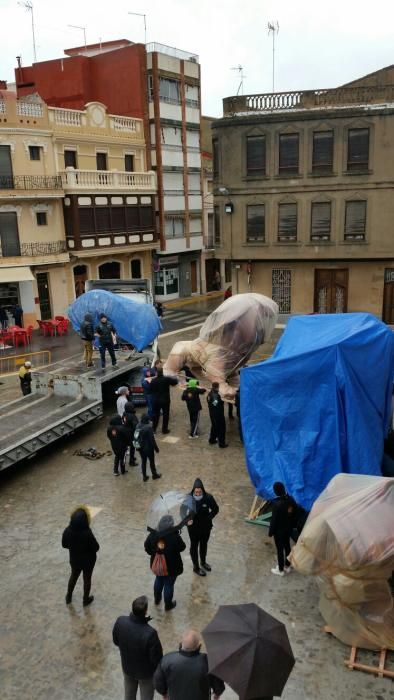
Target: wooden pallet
x=254 y=518
x=379 y=670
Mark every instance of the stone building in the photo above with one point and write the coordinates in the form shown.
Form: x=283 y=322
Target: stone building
x=304 y=204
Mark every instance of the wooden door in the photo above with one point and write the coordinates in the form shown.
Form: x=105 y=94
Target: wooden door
x=388 y=297
x=193 y=276
x=44 y=295
x=80 y=277
x=331 y=291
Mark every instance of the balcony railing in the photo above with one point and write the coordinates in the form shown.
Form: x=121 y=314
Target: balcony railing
x=67 y=117
x=30 y=182
x=100 y=241
x=77 y=119
x=25 y=108
x=41 y=248
x=108 y=180
x=309 y=99
x=171 y=51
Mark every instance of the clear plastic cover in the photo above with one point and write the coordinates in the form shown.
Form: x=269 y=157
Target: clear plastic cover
x=348 y=543
x=226 y=341
x=170 y=511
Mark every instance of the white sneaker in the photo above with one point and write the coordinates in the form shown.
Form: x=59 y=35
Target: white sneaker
x=288 y=569
x=277 y=572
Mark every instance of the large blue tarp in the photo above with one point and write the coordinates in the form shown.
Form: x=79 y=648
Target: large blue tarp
x=320 y=405
x=135 y=321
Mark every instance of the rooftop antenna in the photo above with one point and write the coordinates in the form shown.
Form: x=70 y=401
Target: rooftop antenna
x=240 y=69
x=28 y=5
x=83 y=29
x=139 y=14
x=273 y=28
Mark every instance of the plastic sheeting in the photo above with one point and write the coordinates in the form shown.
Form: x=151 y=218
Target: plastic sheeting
x=348 y=542
x=135 y=322
x=320 y=405
x=170 y=511
x=226 y=341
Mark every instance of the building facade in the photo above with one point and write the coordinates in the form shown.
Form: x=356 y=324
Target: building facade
x=304 y=204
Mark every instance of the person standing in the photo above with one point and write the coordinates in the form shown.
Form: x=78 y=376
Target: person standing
x=145 y=443
x=25 y=378
x=87 y=336
x=183 y=674
x=281 y=526
x=140 y=650
x=123 y=394
x=130 y=420
x=216 y=414
x=83 y=547
x=17 y=313
x=192 y=397
x=119 y=437
x=106 y=333
x=165 y=547
x=160 y=389
x=206 y=509
x=147 y=375
x=3 y=317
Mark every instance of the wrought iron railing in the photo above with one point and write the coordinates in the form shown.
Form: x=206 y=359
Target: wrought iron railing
x=30 y=182
x=43 y=248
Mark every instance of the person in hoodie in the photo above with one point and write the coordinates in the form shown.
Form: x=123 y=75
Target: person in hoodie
x=145 y=443
x=130 y=420
x=200 y=527
x=282 y=523
x=147 y=374
x=83 y=547
x=216 y=414
x=123 y=397
x=106 y=332
x=119 y=437
x=87 y=336
x=160 y=389
x=165 y=541
x=192 y=395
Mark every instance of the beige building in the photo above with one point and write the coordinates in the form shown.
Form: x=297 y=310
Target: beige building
x=304 y=206
x=32 y=243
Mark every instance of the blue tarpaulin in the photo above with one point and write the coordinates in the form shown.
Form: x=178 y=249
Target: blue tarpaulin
x=320 y=405
x=135 y=321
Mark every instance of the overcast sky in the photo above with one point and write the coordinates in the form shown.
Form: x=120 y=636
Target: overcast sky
x=319 y=45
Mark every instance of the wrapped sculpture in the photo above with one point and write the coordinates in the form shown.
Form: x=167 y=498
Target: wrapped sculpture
x=226 y=341
x=348 y=542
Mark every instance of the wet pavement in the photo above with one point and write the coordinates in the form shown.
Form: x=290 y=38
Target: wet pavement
x=49 y=651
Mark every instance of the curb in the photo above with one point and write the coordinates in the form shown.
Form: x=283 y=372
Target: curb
x=192 y=300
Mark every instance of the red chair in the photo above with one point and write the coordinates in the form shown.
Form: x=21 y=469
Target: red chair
x=60 y=318
x=20 y=338
x=63 y=326
x=41 y=327
x=29 y=333
x=48 y=328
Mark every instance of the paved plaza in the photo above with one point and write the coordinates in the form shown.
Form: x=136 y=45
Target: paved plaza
x=49 y=651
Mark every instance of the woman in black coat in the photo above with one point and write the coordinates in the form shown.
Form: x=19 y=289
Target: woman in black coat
x=206 y=509
x=169 y=544
x=83 y=546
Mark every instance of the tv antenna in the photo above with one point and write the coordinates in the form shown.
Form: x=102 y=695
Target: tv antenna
x=28 y=5
x=242 y=76
x=273 y=28
x=83 y=29
x=140 y=14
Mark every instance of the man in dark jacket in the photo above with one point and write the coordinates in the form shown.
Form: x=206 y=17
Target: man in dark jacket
x=106 y=331
x=200 y=527
x=87 y=336
x=183 y=674
x=216 y=414
x=281 y=526
x=147 y=375
x=83 y=546
x=145 y=443
x=192 y=397
x=119 y=437
x=168 y=543
x=160 y=390
x=130 y=420
x=140 y=650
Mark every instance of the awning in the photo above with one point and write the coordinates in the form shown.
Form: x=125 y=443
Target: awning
x=15 y=274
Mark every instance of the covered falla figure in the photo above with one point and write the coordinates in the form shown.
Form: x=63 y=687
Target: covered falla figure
x=227 y=339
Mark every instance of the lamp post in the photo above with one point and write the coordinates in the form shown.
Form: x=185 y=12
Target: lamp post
x=229 y=210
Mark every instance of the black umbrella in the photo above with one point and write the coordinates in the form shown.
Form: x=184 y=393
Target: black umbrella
x=249 y=650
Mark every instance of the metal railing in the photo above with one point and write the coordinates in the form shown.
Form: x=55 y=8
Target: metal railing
x=30 y=182
x=171 y=51
x=12 y=363
x=41 y=248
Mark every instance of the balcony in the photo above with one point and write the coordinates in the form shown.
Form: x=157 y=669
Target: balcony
x=308 y=99
x=41 y=248
x=30 y=182
x=18 y=253
x=171 y=51
x=95 y=243
x=75 y=119
x=108 y=181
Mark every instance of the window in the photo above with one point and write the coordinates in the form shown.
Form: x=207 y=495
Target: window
x=209 y=243
x=281 y=289
x=132 y=218
x=355 y=220
x=323 y=152
x=288 y=154
x=169 y=90
x=35 y=152
x=6 y=180
x=103 y=222
x=41 y=217
x=255 y=230
x=146 y=217
x=101 y=161
x=129 y=163
x=109 y=271
x=9 y=236
x=216 y=214
x=70 y=159
x=118 y=219
x=255 y=155
x=135 y=267
x=174 y=227
x=287 y=222
x=321 y=221
x=86 y=220
x=215 y=158
x=358 y=149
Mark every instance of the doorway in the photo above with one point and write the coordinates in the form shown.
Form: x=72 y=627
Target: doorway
x=44 y=296
x=193 y=276
x=331 y=291
x=80 y=277
x=388 y=296
x=109 y=271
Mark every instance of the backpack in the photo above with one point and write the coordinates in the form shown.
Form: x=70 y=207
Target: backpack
x=159 y=565
x=136 y=439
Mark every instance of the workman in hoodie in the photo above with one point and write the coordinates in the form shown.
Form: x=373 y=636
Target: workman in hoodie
x=87 y=336
x=130 y=420
x=106 y=333
x=216 y=414
x=160 y=390
x=83 y=547
x=119 y=436
x=206 y=509
x=25 y=378
x=192 y=395
x=147 y=375
x=145 y=443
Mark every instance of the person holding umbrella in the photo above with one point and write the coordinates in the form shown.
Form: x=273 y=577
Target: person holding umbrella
x=164 y=547
x=200 y=527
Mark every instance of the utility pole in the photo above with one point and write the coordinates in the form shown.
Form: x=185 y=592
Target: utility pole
x=273 y=28
x=28 y=5
x=139 y=14
x=83 y=29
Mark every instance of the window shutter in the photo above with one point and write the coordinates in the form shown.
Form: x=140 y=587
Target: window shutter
x=255 y=223
x=9 y=236
x=255 y=155
x=216 y=213
x=215 y=158
x=118 y=219
x=287 y=228
x=103 y=222
x=6 y=181
x=358 y=149
x=86 y=220
x=323 y=149
x=288 y=153
x=321 y=221
x=355 y=220
x=146 y=217
x=132 y=218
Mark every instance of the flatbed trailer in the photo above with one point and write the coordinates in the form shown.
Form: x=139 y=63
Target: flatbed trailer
x=64 y=397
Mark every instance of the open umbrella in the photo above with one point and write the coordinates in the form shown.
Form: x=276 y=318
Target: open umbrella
x=249 y=650
x=170 y=511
